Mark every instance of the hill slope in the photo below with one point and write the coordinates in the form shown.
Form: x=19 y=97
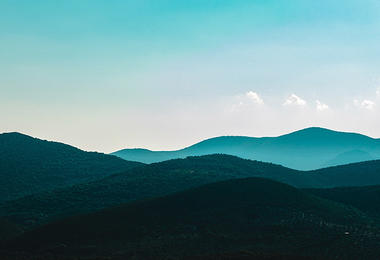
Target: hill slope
x=29 y=165
x=170 y=176
x=354 y=174
x=148 y=181
x=366 y=198
x=255 y=214
x=306 y=149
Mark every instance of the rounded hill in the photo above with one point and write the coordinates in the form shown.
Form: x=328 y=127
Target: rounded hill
x=29 y=165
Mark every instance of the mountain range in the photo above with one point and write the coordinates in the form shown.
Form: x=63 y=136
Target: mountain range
x=29 y=165
x=307 y=149
x=163 y=178
x=253 y=214
x=59 y=202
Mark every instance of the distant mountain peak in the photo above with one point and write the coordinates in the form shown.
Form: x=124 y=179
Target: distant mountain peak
x=324 y=135
x=305 y=149
x=311 y=131
x=314 y=130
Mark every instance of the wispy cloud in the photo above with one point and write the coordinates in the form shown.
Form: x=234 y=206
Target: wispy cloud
x=321 y=106
x=294 y=100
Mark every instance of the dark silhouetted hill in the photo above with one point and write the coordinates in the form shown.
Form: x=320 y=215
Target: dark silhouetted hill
x=253 y=214
x=353 y=174
x=149 y=181
x=306 y=149
x=171 y=176
x=366 y=198
x=29 y=165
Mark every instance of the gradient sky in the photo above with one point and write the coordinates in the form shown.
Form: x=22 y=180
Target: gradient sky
x=106 y=75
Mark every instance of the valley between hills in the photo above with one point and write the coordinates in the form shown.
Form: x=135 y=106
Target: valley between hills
x=311 y=194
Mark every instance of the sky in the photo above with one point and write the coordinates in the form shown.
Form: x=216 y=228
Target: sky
x=163 y=75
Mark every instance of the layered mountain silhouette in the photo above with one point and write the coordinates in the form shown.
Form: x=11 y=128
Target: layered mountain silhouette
x=203 y=206
x=163 y=178
x=253 y=214
x=149 y=181
x=307 y=149
x=29 y=165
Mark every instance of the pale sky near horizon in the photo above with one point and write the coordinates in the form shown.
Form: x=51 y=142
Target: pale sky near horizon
x=163 y=75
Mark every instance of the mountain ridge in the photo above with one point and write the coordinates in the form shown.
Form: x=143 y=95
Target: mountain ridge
x=162 y=178
x=29 y=165
x=255 y=214
x=305 y=149
x=364 y=198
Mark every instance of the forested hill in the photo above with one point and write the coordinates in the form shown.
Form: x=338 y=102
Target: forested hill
x=29 y=165
x=254 y=214
x=353 y=174
x=148 y=181
x=174 y=175
x=365 y=198
x=307 y=149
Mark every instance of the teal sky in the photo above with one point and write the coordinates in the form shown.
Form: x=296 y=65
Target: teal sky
x=107 y=75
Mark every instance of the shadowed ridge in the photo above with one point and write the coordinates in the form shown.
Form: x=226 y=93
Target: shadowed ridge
x=163 y=178
x=250 y=213
x=366 y=198
x=152 y=180
x=353 y=174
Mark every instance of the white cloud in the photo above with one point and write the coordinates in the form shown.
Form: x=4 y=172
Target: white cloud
x=294 y=100
x=367 y=104
x=255 y=98
x=321 y=106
